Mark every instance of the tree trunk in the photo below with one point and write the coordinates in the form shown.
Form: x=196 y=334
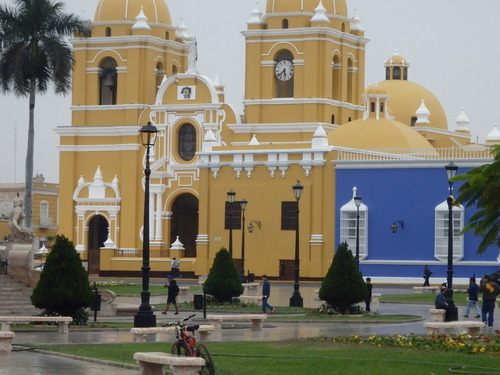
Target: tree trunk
x=28 y=180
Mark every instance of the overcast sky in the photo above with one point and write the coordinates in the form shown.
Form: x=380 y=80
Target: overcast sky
x=453 y=47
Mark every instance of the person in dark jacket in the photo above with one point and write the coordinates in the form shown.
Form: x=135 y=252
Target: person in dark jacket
x=490 y=291
x=441 y=303
x=369 y=295
x=266 y=292
x=427 y=275
x=173 y=291
x=473 y=292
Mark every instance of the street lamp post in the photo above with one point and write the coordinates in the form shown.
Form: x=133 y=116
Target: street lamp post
x=357 y=202
x=230 y=198
x=451 y=171
x=243 y=205
x=145 y=316
x=296 y=299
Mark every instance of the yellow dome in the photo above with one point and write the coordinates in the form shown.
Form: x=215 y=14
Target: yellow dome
x=396 y=60
x=337 y=7
x=126 y=10
x=405 y=97
x=375 y=90
x=382 y=134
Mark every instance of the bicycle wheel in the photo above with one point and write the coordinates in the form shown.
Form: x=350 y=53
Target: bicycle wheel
x=180 y=348
x=202 y=351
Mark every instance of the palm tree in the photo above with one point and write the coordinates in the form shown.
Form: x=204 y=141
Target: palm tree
x=481 y=188
x=35 y=53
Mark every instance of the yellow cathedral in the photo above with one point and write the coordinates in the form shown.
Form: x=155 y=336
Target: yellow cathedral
x=307 y=117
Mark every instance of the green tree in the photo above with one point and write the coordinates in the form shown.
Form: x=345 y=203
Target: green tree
x=343 y=285
x=223 y=281
x=35 y=53
x=64 y=287
x=482 y=189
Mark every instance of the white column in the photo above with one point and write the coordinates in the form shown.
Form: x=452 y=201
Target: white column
x=158 y=214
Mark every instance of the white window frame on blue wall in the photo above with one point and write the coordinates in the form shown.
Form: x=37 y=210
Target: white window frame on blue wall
x=348 y=214
x=441 y=232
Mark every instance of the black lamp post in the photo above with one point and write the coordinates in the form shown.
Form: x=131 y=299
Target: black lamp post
x=296 y=299
x=451 y=171
x=243 y=205
x=145 y=316
x=357 y=202
x=230 y=198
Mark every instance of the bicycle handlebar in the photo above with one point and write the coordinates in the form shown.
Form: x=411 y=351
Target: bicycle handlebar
x=179 y=323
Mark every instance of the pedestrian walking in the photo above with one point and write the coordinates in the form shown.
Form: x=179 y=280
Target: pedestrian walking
x=266 y=292
x=173 y=291
x=490 y=291
x=175 y=270
x=473 y=292
x=427 y=275
x=369 y=295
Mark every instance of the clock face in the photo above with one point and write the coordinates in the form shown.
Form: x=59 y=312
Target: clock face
x=284 y=70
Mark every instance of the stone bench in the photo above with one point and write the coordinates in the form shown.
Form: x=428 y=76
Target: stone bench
x=437 y=315
x=152 y=363
x=256 y=319
x=425 y=289
x=141 y=334
x=6 y=338
x=435 y=328
x=183 y=290
x=63 y=321
x=250 y=299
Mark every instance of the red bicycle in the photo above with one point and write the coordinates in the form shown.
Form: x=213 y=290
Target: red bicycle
x=185 y=344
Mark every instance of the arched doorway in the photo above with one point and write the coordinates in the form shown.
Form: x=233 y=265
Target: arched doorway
x=184 y=222
x=98 y=233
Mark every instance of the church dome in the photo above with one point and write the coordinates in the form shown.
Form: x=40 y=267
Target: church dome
x=127 y=10
x=336 y=7
x=378 y=134
x=405 y=99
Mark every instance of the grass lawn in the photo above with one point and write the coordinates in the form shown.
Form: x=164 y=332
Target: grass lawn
x=460 y=298
x=305 y=357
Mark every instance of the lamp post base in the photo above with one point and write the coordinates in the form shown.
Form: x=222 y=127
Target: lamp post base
x=296 y=299
x=142 y=320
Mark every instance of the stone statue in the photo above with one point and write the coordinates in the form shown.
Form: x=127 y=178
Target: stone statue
x=192 y=53
x=18 y=233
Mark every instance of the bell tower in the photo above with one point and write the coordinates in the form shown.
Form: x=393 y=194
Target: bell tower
x=305 y=64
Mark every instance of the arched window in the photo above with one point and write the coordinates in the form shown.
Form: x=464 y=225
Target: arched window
x=405 y=74
x=108 y=31
x=396 y=72
x=372 y=107
x=167 y=35
x=284 y=83
x=348 y=222
x=441 y=232
x=187 y=142
x=350 y=80
x=333 y=119
x=160 y=73
x=336 y=78
x=174 y=70
x=382 y=107
x=108 y=81
x=387 y=73
x=284 y=24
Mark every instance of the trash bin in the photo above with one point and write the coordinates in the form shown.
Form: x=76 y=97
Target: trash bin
x=198 y=302
x=96 y=302
x=3 y=265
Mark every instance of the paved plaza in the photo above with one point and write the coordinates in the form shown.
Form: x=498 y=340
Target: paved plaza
x=21 y=362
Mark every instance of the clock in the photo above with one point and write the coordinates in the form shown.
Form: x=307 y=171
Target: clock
x=284 y=70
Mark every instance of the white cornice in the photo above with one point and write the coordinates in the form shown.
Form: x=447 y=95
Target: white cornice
x=186 y=107
x=300 y=33
x=281 y=127
x=116 y=107
x=291 y=101
x=429 y=129
x=99 y=148
x=406 y=164
x=97 y=131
